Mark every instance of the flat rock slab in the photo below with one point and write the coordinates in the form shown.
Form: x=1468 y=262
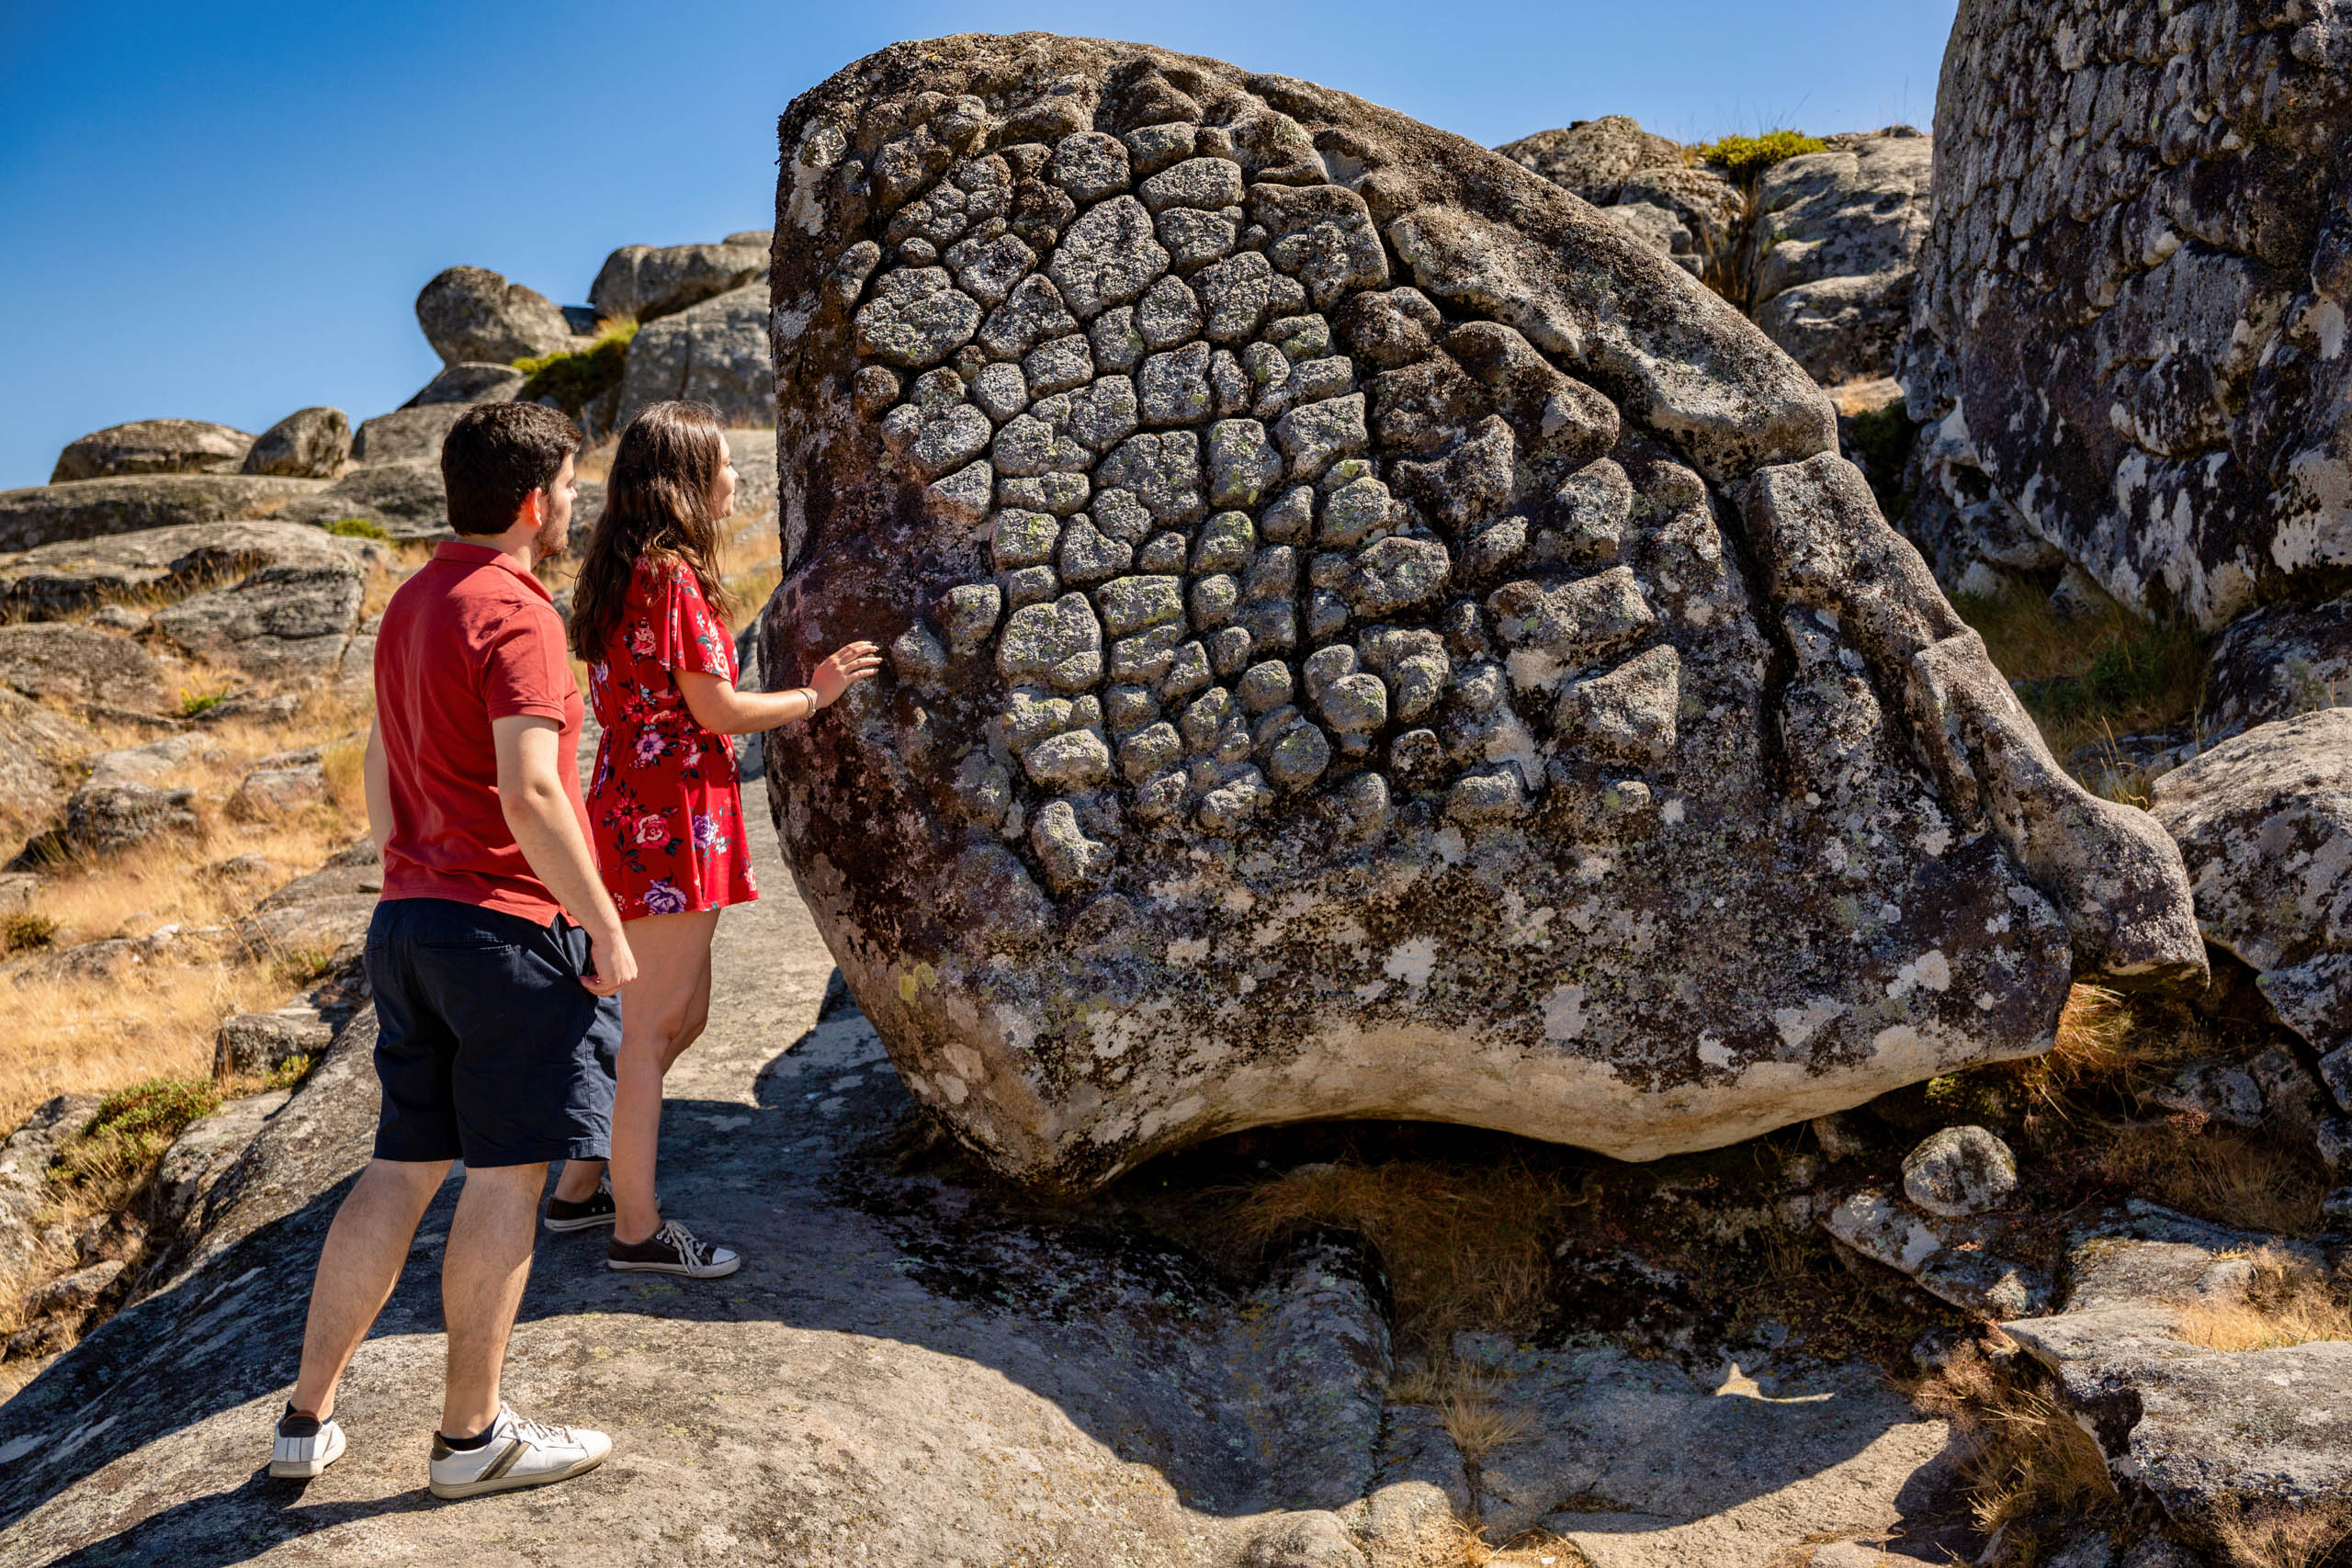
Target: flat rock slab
x=1369 y=639
x=1643 y=1464
x=87 y=508
x=76 y=575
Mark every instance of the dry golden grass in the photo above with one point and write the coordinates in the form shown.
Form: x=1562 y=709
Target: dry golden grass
x=2240 y=1178
x=1462 y=1247
x=1538 y=1549
x=94 y=1034
x=2027 y=1459
x=2286 y=1301
x=2105 y=1044
x=2281 y=1534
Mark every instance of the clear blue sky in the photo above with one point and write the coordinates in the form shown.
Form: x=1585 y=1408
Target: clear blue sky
x=224 y=212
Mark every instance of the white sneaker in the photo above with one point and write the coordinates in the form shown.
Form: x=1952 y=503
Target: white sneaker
x=519 y=1453
x=305 y=1446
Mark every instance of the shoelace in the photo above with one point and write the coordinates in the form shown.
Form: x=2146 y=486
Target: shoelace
x=679 y=1236
x=537 y=1433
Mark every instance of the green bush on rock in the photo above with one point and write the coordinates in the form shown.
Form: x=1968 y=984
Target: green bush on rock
x=1745 y=157
x=572 y=380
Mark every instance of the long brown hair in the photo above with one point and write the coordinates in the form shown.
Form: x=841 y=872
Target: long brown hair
x=657 y=503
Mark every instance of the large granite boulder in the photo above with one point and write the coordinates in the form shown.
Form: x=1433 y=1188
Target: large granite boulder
x=282 y=623
x=1369 y=638
x=87 y=508
x=1834 y=252
x=467 y=382
x=470 y=314
x=77 y=575
x=2281 y=661
x=2130 y=302
x=652 y=281
x=406 y=500
x=716 y=353
x=153 y=446
x=1656 y=187
x=407 y=435
x=309 y=444
x=2265 y=823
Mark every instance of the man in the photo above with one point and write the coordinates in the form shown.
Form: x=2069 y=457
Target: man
x=494 y=956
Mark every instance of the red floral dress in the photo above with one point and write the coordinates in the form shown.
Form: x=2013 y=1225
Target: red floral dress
x=665 y=806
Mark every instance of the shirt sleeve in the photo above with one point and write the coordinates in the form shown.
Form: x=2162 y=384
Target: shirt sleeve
x=688 y=635
x=526 y=669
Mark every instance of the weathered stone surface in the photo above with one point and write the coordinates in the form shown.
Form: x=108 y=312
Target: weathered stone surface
x=1642 y=1463
x=76 y=575
x=406 y=436
x=153 y=446
x=283 y=622
x=89 y=508
x=1499 y=855
x=2277 y=662
x=2132 y=291
x=403 y=499
x=324 y=912
x=1960 y=1171
x=2198 y=1430
x=253 y=1045
x=38 y=748
x=470 y=381
x=24 y=1178
x=651 y=281
x=1832 y=252
x=472 y=314
x=716 y=353
x=309 y=444
x=1959 y=1259
x=2265 y=824
x=79 y=664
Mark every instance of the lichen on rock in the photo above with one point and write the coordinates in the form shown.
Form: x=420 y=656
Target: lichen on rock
x=1420 y=656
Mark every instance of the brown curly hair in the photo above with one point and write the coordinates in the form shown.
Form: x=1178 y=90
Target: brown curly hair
x=657 y=504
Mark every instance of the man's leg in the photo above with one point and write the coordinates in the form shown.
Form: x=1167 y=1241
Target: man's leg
x=365 y=1248
x=482 y=1274
x=578 y=1179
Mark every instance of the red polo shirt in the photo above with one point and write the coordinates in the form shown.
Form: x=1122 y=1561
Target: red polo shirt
x=472 y=637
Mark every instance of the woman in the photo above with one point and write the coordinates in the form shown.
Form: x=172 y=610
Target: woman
x=667 y=816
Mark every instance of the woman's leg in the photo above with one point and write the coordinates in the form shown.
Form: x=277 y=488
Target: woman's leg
x=670 y=991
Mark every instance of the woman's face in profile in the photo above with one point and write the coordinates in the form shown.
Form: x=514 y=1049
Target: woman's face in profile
x=722 y=495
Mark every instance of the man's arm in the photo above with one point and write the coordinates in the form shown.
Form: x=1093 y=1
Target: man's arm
x=538 y=813
x=376 y=781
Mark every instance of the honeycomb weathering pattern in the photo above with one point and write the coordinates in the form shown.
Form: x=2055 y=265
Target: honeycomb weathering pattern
x=1367 y=640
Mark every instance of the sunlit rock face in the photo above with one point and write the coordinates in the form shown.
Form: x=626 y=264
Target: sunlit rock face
x=1369 y=637
x=2128 y=328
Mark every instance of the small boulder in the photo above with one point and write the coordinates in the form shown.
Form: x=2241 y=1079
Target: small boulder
x=76 y=1293
x=110 y=818
x=254 y=1045
x=471 y=314
x=651 y=281
x=407 y=435
x=89 y=508
x=153 y=446
x=80 y=665
x=325 y=912
x=268 y=791
x=716 y=353
x=1961 y=1170
x=309 y=444
x=470 y=381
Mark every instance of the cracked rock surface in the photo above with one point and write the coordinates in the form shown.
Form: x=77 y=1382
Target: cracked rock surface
x=1421 y=657
x=2130 y=319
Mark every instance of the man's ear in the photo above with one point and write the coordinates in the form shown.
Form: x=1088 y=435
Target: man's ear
x=533 y=511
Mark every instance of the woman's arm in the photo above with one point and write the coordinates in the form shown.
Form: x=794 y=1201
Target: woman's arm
x=720 y=707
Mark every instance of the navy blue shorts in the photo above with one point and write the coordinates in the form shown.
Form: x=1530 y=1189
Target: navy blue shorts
x=489 y=1048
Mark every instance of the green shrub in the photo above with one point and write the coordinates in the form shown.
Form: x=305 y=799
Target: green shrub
x=195 y=703
x=1745 y=157
x=572 y=380
x=129 y=1131
x=358 y=528
x=26 y=929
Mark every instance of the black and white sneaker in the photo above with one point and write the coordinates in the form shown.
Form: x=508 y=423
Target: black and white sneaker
x=595 y=1210
x=305 y=1446
x=672 y=1249
x=512 y=1454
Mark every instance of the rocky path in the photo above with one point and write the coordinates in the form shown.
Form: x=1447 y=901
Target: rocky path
x=903 y=1371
